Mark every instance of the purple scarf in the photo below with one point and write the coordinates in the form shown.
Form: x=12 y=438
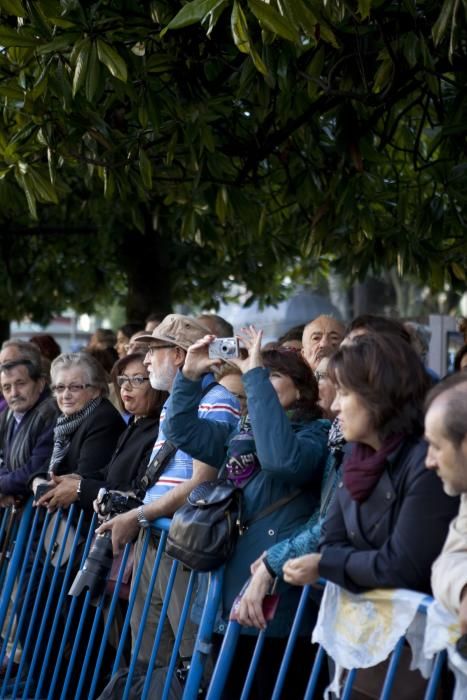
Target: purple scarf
x=365 y=466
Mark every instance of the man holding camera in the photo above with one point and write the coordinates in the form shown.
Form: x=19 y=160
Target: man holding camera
x=179 y=475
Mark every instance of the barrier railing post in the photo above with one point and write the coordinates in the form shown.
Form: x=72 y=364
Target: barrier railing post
x=203 y=643
x=68 y=622
x=61 y=600
x=433 y=684
x=392 y=670
x=316 y=669
x=22 y=537
x=302 y=605
x=109 y=622
x=134 y=592
x=224 y=661
x=144 y=615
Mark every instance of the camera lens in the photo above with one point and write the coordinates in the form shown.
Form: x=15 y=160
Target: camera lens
x=98 y=563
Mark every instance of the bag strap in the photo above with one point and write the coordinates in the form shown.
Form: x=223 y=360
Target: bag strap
x=270 y=509
x=155 y=467
x=162 y=456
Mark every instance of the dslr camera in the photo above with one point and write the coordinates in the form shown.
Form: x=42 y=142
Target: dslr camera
x=93 y=575
x=224 y=348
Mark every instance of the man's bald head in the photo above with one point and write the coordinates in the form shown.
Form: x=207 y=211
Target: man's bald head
x=321 y=337
x=446 y=433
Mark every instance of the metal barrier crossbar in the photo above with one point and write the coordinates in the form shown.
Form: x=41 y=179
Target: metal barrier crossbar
x=69 y=647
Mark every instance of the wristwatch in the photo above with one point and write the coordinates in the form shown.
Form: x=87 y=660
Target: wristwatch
x=78 y=488
x=142 y=520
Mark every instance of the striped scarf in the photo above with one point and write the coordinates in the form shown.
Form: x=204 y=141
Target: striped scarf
x=65 y=428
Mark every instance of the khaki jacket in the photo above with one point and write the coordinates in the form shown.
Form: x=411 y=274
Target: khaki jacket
x=449 y=572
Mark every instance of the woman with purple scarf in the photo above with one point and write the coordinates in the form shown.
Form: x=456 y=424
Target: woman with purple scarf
x=390 y=516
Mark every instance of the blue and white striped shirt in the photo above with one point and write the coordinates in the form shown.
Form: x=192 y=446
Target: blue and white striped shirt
x=218 y=404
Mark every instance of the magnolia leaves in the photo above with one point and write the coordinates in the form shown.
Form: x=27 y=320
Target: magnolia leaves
x=87 y=54
x=292 y=20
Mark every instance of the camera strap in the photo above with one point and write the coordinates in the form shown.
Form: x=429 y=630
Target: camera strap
x=156 y=466
x=162 y=456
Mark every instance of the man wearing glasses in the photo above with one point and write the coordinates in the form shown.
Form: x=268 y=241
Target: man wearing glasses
x=166 y=355
x=26 y=428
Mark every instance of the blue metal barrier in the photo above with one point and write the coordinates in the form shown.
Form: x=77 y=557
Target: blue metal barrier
x=64 y=641
x=227 y=655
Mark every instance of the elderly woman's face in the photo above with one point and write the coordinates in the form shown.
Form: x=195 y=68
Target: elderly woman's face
x=135 y=389
x=72 y=390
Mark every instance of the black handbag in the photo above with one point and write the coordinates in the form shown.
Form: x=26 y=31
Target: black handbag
x=203 y=532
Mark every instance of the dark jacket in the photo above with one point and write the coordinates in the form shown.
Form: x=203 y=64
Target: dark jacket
x=129 y=461
x=392 y=538
x=92 y=445
x=292 y=455
x=29 y=450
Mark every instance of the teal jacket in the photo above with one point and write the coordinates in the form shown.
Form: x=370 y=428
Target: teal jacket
x=292 y=455
x=306 y=540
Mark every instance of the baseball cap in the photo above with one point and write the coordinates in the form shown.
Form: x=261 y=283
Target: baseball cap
x=176 y=329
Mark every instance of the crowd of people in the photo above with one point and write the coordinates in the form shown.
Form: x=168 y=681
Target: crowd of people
x=350 y=454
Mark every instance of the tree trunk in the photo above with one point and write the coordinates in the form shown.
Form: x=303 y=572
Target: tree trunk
x=147 y=264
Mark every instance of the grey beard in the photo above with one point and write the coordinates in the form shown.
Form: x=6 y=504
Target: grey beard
x=153 y=382
x=160 y=383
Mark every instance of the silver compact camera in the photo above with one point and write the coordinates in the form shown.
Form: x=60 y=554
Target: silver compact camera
x=224 y=348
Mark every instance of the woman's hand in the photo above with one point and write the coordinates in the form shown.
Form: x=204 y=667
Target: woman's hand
x=302 y=570
x=250 y=610
x=251 y=339
x=197 y=360
x=257 y=563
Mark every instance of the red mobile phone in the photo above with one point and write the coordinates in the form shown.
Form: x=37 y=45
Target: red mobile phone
x=270 y=603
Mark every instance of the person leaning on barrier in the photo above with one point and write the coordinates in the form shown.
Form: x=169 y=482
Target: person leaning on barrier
x=168 y=345
x=446 y=433
x=86 y=430
x=277 y=452
x=270 y=565
x=131 y=455
x=26 y=428
x=390 y=517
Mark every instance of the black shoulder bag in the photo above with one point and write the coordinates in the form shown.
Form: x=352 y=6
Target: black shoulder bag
x=204 y=531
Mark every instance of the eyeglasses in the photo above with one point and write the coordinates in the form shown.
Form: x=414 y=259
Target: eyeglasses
x=73 y=388
x=321 y=375
x=153 y=348
x=133 y=381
